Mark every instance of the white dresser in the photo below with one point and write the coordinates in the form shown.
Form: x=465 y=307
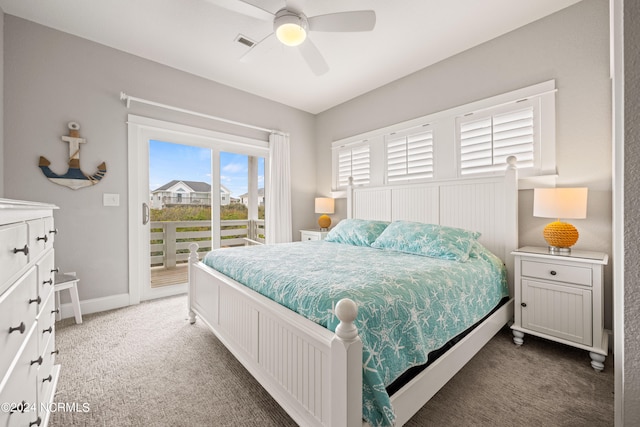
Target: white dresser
x=28 y=373
x=561 y=298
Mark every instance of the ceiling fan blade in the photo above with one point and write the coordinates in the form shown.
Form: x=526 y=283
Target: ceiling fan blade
x=313 y=57
x=265 y=44
x=361 y=20
x=253 y=8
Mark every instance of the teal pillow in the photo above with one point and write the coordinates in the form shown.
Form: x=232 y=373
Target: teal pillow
x=435 y=241
x=357 y=232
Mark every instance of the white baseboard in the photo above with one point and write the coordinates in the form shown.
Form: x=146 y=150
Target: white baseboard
x=95 y=305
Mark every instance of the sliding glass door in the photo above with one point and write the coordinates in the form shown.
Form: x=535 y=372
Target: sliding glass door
x=188 y=185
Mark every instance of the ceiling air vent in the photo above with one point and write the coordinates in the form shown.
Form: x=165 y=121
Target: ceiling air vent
x=245 y=41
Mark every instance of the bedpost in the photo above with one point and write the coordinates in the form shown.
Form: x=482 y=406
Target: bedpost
x=346 y=368
x=511 y=203
x=193 y=259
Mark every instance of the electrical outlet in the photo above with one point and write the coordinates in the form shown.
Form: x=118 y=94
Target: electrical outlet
x=110 y=199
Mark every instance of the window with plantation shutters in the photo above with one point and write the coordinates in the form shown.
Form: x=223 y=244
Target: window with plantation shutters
x=468 y=140
x=485 y=141
x=353 y=162
x=409 y=156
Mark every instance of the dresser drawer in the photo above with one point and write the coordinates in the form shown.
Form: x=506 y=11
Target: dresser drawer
x=50 y=231
x=12 y=237
x=557 y=272
x=45 y=275
x=45 y=374
x=38 y=238
x=17 y=315
x=46 y=322
x=20 y=387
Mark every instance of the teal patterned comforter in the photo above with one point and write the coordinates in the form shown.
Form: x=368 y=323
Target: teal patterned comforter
x=408 y=305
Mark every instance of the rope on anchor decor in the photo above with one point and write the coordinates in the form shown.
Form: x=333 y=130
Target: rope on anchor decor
x=74 y=178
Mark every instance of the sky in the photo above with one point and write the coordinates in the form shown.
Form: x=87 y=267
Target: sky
x=168 y=161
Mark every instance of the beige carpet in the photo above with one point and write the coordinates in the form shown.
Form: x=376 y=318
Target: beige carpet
x=147 y=366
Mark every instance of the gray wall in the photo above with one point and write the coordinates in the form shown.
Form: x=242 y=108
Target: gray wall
x=571 y=46
x=2 y=156
x=52 y=78
x=631 y=212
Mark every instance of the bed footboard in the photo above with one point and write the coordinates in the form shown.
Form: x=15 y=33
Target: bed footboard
x=314 y=374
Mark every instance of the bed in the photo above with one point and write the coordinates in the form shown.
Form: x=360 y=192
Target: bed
x=306 y=350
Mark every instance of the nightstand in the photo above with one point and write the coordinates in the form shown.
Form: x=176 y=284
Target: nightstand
x=560 y=298
x=316 y=234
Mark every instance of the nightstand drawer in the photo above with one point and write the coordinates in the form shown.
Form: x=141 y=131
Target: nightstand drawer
x=309 y=236
x=306 y=235
x=557 y=272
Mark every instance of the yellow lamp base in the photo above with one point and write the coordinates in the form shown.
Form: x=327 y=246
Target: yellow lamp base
x=560 y=235
x=324 y=221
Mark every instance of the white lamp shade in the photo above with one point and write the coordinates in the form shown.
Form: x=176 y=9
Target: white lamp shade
x=568 y=203
x=324 y=205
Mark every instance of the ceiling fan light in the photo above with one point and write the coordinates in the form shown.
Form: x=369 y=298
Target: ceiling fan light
x=290 y=27
x=291 y=34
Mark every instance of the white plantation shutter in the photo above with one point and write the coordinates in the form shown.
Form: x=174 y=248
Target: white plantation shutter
x=410 y=157
x=485 y=143
x=354 y=162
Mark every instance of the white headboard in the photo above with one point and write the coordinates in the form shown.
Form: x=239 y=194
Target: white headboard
x=488 y=205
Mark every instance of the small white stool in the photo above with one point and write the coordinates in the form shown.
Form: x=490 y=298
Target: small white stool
x=68 y=281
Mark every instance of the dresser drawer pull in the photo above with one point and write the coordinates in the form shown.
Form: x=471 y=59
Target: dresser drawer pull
x=56 y=351
x=49 y=378
x=36 y=422
x=38 y=300
x=45 y=238
x=55 y=270
x=553 y=272
x=56 y=311
x=523 y=304
x=50 y=281
x=38 y=361
x=49 y=329
x=54 y=231
x=24 y=250
x=20 y=328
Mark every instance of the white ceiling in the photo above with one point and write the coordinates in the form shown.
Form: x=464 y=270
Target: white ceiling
x=198 y=37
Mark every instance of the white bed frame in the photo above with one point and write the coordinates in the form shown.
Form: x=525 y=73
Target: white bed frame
x=316 y=375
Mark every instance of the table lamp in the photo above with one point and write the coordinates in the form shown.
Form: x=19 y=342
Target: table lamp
x=568 y=203
x=324 y=206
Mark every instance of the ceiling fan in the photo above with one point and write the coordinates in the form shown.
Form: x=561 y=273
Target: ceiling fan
x=291 y=25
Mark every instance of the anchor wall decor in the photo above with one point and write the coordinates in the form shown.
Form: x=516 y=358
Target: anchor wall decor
x=74 y=178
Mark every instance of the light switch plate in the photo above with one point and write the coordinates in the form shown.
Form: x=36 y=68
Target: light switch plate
x=109 y=199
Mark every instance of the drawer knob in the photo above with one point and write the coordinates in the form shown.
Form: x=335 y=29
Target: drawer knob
x=553 y=272
x=55 y=270
x=54 y=231
x=49 y=378
x=50 y=281
x=38 y=361
x=38 y=300
x=20 y=328
x=56 y=311
x=36 y=422
x=49 y=329
x=45 y=238
x=56 y=351
x=24 y=250
x=523 y=304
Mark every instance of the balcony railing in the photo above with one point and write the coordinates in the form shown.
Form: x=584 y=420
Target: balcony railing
x=170 y=240
x=186 y=200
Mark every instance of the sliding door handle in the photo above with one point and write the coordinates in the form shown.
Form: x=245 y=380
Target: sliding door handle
x=145 y=214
